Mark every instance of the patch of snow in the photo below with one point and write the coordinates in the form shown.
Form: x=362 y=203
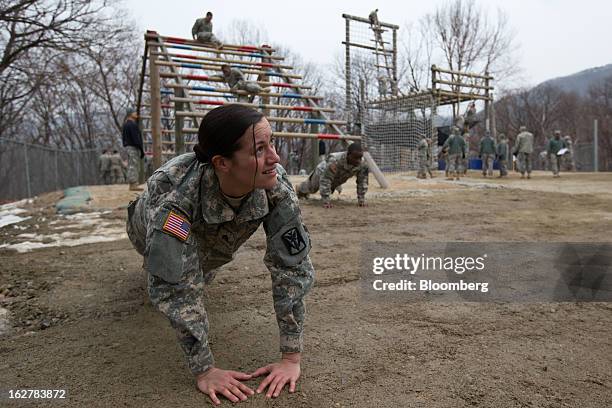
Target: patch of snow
x=11 y=219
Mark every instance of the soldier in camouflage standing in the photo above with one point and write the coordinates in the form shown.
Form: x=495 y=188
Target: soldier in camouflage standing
x=487 y=154
x=554 y=145
x=456 y=153
x=197 y=211
x=104 y=167
x=424 y=154
x=202 y=31
x=329 y=175
x=502 y=155
x=443 y=155
x=466 y=157
x=132 y=141
x=116 y=168
x=523 y=149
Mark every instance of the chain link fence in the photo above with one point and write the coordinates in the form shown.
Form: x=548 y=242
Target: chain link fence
x=28 y=170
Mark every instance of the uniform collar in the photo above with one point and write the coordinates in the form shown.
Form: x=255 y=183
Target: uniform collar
x=215 y=210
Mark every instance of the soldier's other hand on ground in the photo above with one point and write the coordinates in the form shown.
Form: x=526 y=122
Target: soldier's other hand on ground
x=224 y=382
x=279 y=374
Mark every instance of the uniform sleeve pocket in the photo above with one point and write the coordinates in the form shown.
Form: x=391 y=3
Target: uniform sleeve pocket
x=290 y=245
x=165 y=258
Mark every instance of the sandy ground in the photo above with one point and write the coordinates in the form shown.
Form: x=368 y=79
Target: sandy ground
x=78 y=320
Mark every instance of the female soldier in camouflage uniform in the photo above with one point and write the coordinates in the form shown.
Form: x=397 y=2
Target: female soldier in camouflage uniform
x=198 y=209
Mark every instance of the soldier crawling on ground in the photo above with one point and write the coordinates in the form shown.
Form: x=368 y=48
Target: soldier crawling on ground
x=329 y=175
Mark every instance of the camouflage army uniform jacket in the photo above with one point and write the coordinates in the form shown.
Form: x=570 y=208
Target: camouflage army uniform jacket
x=185 y=230
x=234 y=78
x=423 y=150
x=524 y=143
x=336 y=171
x=201 y=26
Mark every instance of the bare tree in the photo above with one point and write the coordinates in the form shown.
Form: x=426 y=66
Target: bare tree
x=461 y=36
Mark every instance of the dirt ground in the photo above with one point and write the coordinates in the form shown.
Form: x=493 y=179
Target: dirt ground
x=79 y=322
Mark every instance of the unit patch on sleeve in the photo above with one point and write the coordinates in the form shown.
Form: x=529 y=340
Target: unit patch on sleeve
x=177 y=226
x=294 y=241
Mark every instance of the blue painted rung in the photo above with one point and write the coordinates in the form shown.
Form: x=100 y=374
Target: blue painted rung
x=315 y=121
x=204 y=88
x=291 y=95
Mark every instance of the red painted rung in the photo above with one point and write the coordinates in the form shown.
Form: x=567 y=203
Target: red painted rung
x=176 y=40
x=210 y=102
x=186 y=56
x=265 y=64
x=327 y=136
x=281 y=85
x=197 y=77
x=248 y=48
x=302 y=108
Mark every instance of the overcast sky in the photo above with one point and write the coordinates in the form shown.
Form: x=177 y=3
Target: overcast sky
x=556 y=37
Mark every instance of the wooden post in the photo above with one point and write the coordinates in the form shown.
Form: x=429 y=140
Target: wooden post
x=314 y=143
x=348 y=71
x=155 y=108
x=395 y=85
x=493 y=126
x=487 y=104
x=179 y=137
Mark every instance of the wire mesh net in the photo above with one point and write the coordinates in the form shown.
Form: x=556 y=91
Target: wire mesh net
x=30 y=170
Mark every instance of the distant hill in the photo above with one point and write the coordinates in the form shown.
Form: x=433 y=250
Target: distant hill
x=580 y=82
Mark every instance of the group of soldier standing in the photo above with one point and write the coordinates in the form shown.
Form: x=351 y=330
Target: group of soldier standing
x=455 y=150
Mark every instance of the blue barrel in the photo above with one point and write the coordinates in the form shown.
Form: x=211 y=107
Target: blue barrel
x=475 y=164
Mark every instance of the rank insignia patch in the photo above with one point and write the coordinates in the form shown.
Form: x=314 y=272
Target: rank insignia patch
x=177 y=226
x=294 y=241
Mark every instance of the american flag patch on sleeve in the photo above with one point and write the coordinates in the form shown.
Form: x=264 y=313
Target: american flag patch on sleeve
x=177 y=226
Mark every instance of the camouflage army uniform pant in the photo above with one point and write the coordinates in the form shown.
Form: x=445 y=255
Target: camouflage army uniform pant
x=133 y=161
x=311 y=184
x=424 y=167
x=455 y=163
x=555 y=163
x=524 y=163
x=116 y=175
x=487 y=164
x=206 y=37
x=503 y=167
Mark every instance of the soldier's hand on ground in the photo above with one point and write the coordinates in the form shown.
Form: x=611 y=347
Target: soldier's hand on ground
x=327 y=205
x=279 y=374
x=224 y=382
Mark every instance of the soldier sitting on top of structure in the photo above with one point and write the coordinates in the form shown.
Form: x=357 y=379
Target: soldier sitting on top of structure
x=236 y=81
x=329 y=175
x=202 y=31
